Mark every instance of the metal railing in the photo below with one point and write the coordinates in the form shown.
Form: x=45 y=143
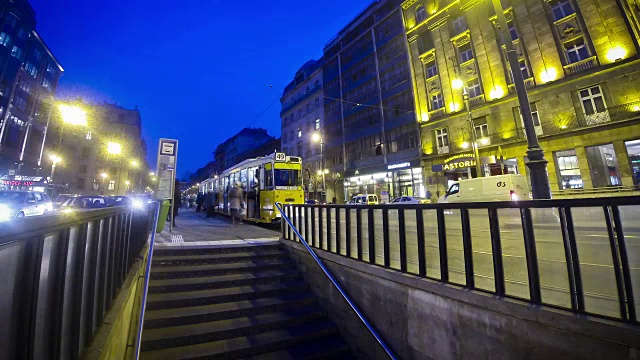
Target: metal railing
x=293 y=231
x=581 y=255
x=59 y=276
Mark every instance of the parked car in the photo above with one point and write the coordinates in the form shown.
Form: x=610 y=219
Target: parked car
x=16 y=204
x=85 y=202
x=60 y=199
x=409 y=200
x=369 y=199
x=492 y=188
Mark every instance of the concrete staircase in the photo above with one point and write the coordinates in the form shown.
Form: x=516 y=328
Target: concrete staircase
x=234 y=302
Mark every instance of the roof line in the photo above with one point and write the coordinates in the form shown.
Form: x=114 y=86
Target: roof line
x=35 y=33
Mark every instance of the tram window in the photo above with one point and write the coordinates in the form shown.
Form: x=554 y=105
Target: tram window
x=268 y=176
x=287 y=177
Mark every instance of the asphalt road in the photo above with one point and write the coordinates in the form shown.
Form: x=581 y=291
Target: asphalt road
x=592 y=239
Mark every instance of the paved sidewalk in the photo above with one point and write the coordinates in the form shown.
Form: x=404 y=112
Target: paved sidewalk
x=194 y=229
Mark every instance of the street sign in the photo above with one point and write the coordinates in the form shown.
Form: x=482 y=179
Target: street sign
x=166 y=168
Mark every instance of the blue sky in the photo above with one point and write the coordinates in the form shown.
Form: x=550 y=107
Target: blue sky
x=199 y=71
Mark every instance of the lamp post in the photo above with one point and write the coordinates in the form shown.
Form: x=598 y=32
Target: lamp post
x=103 y=176
x=537 y=164
x=317 y=137
x=459 y=84
x=115 y=149
x=136 y=181
x=55 y=159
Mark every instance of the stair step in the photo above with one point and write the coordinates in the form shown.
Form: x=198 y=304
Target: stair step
x=184 y=335
x=206 y=250
x=217 y=258
x=222 y=281
x=216 y=296
x=172 y=272
x=196 y=314
x=241 y=347
x=330 y=347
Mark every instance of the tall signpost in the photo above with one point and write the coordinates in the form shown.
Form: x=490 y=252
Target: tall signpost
x=537 y=163
x=166 y=173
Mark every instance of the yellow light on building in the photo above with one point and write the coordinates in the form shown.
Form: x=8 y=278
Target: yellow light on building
x=548 y=75
x=484 y=141
x=114 y=148
x=457 y=84
x=496 y=93
x=616 y=53
x=464 y=145
x=73 y=115
x=454 y=106
x=636 y=108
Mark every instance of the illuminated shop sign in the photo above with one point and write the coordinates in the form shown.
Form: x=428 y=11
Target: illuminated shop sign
x=460 y=161
x=398 y=166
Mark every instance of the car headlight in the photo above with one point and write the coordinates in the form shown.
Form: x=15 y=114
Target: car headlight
x=5 y=213
x=137 y=204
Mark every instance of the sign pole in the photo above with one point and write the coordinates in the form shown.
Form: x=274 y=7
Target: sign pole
x=166 y=174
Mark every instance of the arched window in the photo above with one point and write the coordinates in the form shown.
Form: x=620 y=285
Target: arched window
x=421 y=14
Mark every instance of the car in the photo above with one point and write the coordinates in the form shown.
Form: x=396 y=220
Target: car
x=17 y=204
x=409 y=200
x=60 y=199
x=85 y=203
x=369 y=199
x=512 y=187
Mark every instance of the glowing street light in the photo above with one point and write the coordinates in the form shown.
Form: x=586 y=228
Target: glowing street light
x=152 y=174
x=104 y=176
x=317 y=137
x=55 y=159
x=134 y=163
x=73 y=115
x=114 y=148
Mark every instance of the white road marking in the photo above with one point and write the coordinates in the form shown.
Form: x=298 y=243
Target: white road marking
x=176 y=239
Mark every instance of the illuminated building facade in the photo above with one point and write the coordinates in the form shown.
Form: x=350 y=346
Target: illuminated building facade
x=372 y=136
x=29 y=74
x=302 y=115
x=579 y=59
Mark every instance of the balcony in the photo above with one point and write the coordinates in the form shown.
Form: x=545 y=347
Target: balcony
x=301 y=99
x=581 y=65
x=443 y=149
x=476 y=100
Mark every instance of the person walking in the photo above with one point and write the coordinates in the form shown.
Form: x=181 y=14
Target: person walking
x=235 y=203
x=176 y=200
x=210 y=202
x=199 y=201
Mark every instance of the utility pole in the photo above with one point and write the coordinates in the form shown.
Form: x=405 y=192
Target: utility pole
x=537 y=163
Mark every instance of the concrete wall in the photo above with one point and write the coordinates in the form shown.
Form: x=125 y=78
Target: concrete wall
x=115 y=339
x=424 y=319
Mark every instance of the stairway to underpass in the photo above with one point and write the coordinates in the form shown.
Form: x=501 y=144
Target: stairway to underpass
x=244 y=301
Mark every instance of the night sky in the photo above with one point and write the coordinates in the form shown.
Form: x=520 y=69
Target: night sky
x=199 y=71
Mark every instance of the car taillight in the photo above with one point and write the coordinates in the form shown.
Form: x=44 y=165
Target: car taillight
x=514 y=196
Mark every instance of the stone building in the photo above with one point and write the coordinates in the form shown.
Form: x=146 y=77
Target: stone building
x=302 y=117
x=579 y=59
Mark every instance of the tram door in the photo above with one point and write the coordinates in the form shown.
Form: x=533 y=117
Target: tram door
x=253 y=193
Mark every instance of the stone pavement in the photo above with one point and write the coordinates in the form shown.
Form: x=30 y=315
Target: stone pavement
x=194 y=229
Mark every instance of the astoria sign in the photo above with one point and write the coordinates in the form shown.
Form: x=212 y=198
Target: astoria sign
x=460 y=161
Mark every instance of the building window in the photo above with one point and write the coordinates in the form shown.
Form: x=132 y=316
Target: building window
x=85 y=152
x=459 y=25
x=513 y=32
x=421 y=14
x=474 y=88
x=482 y=131
x=16 y=52
x=299 y=132
x=561 y=9
x=633 y=153
x=442 y=137
x=112 y=185
x=603 y=164
x=88 y=135
x=592 y=100
x=466 y=53
x=80 y=183
x=317 y=124
x=83 y=169
x=577 y=51
x=432 y=69
x=437 y=102
x=5 y=39
x=569 y=170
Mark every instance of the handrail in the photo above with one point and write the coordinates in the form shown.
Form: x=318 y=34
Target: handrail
x=326 y=271
x=147 y=272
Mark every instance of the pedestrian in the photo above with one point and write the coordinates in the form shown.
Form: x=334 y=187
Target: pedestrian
x=176 y=200
x=191 y=201
x=235 y=203
x=210 y=202
x=199 y=201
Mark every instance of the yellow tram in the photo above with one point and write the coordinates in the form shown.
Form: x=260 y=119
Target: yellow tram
x=265 y=180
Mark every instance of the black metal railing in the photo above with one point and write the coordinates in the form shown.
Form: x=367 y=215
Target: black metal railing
x=581 y=255
x=293 y=232
x=60 y=274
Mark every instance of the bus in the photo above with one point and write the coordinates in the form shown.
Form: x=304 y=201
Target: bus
x=266 y=180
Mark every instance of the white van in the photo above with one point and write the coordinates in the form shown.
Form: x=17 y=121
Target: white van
x=493 y=188
x=365 y=200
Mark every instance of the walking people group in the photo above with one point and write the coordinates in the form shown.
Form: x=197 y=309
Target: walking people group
x=210 y=201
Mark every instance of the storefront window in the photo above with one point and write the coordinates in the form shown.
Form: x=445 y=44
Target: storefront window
x=568 y=170
x=633 y=151
x=603 y=165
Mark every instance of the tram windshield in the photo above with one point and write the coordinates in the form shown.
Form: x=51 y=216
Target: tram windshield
x=288 y=177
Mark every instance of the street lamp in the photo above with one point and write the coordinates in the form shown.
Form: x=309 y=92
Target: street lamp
x=114 y=148
x=134 y=163
x=457 y=84
x=72 y=115
x=317 y=137
x=55 y=159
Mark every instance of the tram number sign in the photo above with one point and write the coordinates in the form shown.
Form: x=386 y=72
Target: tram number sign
x=281 y=157
x=501 y=184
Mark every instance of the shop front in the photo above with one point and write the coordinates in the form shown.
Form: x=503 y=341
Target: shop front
x=19 y=182
x=388 y=182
